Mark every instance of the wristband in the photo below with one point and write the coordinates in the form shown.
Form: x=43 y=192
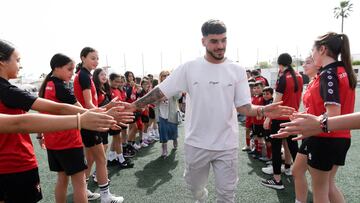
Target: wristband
x=324 y=123
x=260 y=111
x=78 y=121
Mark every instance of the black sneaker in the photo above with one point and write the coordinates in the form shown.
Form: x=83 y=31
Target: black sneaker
x=125 y=164
x=272 y=183
x=112 y=163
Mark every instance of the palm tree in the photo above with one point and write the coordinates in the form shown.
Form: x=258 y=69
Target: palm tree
x=343 y=11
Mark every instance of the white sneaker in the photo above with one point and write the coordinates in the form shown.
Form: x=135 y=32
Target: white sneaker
x=92 y=195
x=288 y=171
x=143 y=144
x=112 y=199
x=269 y=170
x=204 y=196
x=136 y=146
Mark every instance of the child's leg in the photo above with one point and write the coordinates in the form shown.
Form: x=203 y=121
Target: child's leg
x=79 y=187
x=61 y=187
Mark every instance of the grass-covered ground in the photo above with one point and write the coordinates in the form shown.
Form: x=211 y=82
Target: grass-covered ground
x=154 y=179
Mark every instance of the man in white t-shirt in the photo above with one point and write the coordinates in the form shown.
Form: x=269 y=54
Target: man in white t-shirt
x=217 y=89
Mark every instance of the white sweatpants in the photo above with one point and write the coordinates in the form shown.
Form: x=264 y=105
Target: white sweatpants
x=225 y=167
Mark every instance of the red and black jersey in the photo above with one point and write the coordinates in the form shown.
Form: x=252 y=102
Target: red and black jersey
x=131 y=93
x=258 y=100
x=16 y=149
x=286 y=86
x=249 y=121
x=263 y=80
x=57 y=91
x=82 y=82
x=331 y=87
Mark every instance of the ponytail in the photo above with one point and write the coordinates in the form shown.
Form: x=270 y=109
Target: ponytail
x=78 y=67
x=338 y=44
x=346 y=59
x=293 y=75
x=43 y=85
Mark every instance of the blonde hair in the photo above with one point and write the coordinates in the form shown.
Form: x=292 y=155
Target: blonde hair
x=162 y=73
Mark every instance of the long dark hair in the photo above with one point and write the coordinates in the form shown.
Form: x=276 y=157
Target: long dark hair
x=338 y=44
x=286 y=60
x=84 y=52
x=57 y=61
x=101 y=88
x=6 y=50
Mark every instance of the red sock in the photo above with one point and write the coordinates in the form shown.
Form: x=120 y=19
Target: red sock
x=248 y=142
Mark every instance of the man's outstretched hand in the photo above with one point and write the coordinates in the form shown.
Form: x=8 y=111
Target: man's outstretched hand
x=275 y=110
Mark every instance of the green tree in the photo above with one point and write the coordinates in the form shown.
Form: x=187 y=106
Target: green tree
x=263 y=64
x=356 y=63
x=343 y=11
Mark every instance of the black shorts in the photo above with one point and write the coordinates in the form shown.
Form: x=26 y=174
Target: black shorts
x=303 y=147
x=151 y=113
x=145 y=119
x=114 y=132
x=90 y=138
x=71 y=161
x=20 y=187
x=104 y=137
x=258 y=130
x=267 y=134
x=324 y=152
x=137 y=115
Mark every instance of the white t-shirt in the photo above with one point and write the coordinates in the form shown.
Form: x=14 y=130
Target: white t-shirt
x=213 y=92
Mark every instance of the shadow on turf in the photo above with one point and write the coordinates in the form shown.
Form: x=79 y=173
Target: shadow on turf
x=156 y=172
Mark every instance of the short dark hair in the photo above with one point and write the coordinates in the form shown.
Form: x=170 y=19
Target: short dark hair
x=6 y=50
x=213 y=27
x=259 y=83
x=268 y=89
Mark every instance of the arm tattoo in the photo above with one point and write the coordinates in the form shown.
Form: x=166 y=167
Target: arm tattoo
x=151 y=97
x=245 y=109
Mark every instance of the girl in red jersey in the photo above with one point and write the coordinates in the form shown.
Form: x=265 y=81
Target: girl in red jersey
x=116 y=155
x=288 y=89
x=300 y=163
x=327 y=150
x=18 y=166
x=64 y=148
x=131 y=96
x=85 y=93
x=332 y=94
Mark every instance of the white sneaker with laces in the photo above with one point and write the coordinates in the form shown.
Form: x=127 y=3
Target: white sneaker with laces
x=143 y=144
x=92 y=195
x=136 y=146
x=112 y=199
x=269 y=170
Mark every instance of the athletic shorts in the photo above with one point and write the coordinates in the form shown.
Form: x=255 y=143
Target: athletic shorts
x=145 y=119
x=267 y=134
x=20 y=187
x=258 y=130
x=151 y=113
x=71 y=161
x=114 y=132
x=90 y=138
x=104 y=137
x=325 y=152
x=303 y=147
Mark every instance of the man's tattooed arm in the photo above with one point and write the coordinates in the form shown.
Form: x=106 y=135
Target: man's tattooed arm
x=153 y=96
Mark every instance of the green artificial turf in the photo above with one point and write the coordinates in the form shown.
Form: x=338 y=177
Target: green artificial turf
x=158 y=180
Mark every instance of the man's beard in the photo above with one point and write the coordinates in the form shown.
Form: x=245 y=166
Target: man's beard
x=214 y=56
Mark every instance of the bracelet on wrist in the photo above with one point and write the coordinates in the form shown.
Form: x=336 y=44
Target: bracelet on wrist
x=78 y=120
x=324 y=123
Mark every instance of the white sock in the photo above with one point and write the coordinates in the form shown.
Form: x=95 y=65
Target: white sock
x=111 y=155
x=297 y=201
x=121 y=158
x=104 y=190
